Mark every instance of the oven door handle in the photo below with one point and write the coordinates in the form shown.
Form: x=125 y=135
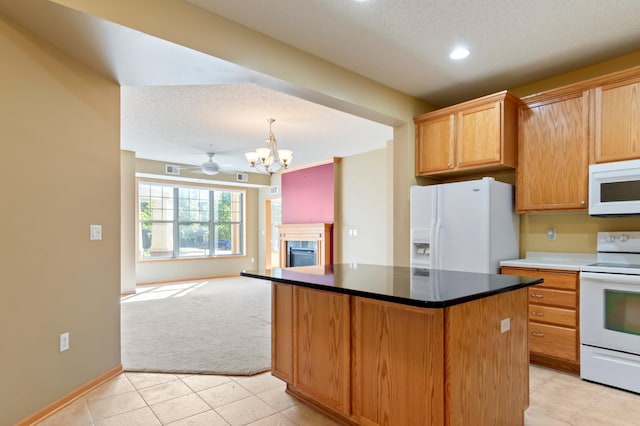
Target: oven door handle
x=619 y=278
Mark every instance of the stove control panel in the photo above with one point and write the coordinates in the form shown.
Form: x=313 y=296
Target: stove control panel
x=619 y=242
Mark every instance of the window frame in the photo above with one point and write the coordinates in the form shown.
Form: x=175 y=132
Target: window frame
x=176 y=222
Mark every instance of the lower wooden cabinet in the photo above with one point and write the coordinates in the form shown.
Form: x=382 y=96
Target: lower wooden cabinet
x=548 y=296
x=555 y=341
x=282 y=331
x=371 y=362
x=554 y=331
x=388 y=354
x=559 y=316
x=322 y=333
x=311 y=351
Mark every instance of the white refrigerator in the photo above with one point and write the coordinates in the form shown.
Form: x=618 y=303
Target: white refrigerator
x=464 y=226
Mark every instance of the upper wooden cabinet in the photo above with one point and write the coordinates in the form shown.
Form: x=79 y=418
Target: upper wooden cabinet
x=434 y=145
x=617 y=120
x=478 y=135
x=553 y=152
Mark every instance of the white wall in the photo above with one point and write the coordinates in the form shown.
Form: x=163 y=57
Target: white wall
x=364 y=208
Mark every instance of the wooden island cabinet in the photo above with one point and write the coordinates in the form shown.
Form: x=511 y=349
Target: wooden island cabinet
x=387 y=349
x=372 y=346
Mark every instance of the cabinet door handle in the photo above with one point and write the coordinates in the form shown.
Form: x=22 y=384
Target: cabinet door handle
x=537 y=314
x=582 y=203
x=537 y=334
x=537 y=296
x=450 y=164
x=459 y=163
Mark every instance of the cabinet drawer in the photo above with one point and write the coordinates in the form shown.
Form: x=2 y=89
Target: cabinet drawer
x=555 y=316
x=563 y=280
x=546 y=296
x=551 y=340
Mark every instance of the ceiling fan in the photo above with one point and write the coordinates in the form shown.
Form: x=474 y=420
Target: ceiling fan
x=210 y=167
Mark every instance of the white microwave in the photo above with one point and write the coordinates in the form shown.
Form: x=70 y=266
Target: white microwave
x=614 y=188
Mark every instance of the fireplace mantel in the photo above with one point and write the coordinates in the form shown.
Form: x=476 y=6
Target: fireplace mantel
x=319 y=232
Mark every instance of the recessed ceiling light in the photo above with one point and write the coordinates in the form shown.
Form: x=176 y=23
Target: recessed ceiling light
x=459 y=53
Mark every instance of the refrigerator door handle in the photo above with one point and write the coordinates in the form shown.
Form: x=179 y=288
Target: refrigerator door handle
x=433 y=241
x=436 y=249
x=436 y=221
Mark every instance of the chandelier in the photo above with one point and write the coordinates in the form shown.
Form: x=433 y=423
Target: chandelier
x=270 y=159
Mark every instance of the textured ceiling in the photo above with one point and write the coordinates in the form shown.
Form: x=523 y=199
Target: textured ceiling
x=178 y=103
x=184 y=122
x=405 y=44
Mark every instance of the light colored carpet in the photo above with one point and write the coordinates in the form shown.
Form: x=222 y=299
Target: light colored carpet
x=218 y=326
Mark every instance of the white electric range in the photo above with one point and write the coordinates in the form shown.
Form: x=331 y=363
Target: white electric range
x=610 y=312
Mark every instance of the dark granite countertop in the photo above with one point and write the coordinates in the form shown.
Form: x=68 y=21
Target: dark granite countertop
x=429 y=288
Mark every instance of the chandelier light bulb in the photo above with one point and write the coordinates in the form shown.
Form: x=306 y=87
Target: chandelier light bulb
x=263 y=153
x=286 y=156
x=252 y=157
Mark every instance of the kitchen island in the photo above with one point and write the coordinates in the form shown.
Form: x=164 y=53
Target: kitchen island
x=379 y=345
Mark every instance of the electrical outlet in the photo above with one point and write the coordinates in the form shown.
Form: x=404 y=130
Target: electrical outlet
x=505 y=325
x=64 y=342
x=551 y=234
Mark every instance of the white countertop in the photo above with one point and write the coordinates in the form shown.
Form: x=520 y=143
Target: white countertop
x=552 y=260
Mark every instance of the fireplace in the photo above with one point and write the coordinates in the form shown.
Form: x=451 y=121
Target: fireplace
x=305 y=244
x=301 y=253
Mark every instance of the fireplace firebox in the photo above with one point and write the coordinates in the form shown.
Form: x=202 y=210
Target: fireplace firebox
x=301 y=253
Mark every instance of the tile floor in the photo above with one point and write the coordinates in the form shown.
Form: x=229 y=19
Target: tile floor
x=131 y=399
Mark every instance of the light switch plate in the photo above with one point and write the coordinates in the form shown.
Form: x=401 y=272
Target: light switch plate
x=95 y=232
x=64 y=342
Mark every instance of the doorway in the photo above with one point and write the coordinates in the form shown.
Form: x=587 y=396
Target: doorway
x=273 y=213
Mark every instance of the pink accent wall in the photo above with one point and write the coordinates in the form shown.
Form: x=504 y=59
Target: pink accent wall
x=307 y=195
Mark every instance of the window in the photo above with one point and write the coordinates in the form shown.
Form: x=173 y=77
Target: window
x=189 y=221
